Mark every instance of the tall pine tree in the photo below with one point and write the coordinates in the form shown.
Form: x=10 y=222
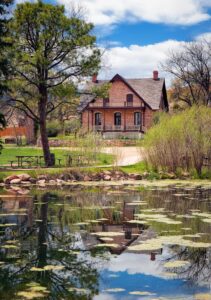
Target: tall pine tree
x=4 y=44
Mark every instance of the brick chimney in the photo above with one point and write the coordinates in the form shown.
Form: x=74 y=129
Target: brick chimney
x=155 y=75
x=94 y=78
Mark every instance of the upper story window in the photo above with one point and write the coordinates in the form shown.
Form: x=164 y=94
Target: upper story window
x=106 y=101
x=129 y=99
x=98 y=119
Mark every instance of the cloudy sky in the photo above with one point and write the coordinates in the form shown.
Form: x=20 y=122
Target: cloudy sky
x=137 y=34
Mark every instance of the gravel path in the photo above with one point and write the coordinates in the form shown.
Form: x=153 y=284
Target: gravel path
x=125 y=156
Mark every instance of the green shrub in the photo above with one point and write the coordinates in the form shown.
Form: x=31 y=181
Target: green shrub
x=180 y=141
x=72 y=126
x=53 y=128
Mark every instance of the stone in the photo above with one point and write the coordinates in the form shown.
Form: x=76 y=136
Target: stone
x=41 y=182
x=171 y=175
x=87 y=178
x=65 y=177
x=9 y=178
x=185 y=174
x=24 y=177
x=135 y=176
x=60 y=181
x=15 y=181
x=107 y=178
x=25 y=182
x=42 y=177
x=145 y=174
x=107 y=172
x=52 y=182
x=33 y=180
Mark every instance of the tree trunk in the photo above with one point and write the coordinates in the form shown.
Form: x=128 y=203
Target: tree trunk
x=43 y=129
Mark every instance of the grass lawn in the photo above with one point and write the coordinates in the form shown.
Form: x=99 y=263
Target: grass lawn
x=10 y=153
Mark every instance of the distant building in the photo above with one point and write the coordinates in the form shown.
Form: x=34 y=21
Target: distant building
x=129 y=109
x=19 y=127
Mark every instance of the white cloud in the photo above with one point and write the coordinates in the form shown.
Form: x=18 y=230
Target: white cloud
x=204 y=36
x=137 y=61
x=179 y=12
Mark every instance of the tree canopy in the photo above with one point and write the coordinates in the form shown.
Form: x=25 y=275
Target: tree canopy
x=50 y=50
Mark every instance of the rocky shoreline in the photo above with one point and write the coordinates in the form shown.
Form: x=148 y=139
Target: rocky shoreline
x=43 y=180
x=77 y=176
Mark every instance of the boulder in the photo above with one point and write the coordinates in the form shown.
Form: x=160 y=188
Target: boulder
x=42 y=177
x=87 y=178
x=9 y=178
x=52 y=182
x=66 y=177
x=24 y=177
x=171 y=175
x=107 y=172
x=145 y=174
x=60 y=181
x=107 y=177
x=33 y=180
x=185 y=174
x=15 y=181
x=41 y=182
x=135 y=176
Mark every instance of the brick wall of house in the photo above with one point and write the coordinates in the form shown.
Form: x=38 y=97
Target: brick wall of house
x=117 y=94
x=148 y=117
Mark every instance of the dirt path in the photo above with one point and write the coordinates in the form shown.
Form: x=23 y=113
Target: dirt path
x=125 y=155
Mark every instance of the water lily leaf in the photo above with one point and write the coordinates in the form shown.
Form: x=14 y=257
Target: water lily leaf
x=107 y=245
x=107 y=234
x=31 y=295
x=8 y=225
x=53 y=268
x=176 y=264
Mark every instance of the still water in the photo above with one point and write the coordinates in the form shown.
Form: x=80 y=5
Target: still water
x=105 y=243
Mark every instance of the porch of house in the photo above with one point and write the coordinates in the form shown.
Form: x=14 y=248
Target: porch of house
x=119 y=120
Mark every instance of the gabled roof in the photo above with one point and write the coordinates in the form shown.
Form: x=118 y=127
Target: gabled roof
x=147 y=89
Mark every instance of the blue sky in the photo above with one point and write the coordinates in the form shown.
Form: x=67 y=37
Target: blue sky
x=138 y=34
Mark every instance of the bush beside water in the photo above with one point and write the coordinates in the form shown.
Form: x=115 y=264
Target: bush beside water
x=181 y=142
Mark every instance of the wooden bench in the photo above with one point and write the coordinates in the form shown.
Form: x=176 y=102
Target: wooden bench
x=11 y=163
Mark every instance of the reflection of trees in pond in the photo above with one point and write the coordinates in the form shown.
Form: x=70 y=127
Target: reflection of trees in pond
x=199 y=268
x=44 y=247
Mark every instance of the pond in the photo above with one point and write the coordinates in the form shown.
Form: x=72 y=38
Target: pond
x=105 y=243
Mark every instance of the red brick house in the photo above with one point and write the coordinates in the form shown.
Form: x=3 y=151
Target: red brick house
x=129 y=109
x=19 y=127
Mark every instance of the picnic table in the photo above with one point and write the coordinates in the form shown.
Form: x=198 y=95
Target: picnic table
x=29 y=160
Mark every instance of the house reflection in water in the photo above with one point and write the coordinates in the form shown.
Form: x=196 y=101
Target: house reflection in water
x=17 y=210
x=128 y=230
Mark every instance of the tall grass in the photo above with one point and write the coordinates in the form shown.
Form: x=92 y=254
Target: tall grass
x=180 y=141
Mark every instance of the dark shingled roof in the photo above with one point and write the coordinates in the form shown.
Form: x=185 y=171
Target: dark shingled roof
x=148 y=89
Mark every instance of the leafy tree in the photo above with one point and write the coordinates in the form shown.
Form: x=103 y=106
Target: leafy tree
x=50 y=49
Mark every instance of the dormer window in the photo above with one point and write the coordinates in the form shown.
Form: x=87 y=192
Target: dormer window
x=129 y=99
